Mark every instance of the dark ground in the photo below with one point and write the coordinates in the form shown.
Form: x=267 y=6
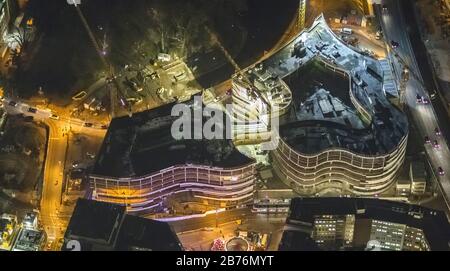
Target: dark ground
x=67 y=62
x=18 y=170
x=306 y=80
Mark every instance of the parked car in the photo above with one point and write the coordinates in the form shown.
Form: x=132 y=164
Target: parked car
x=394 y=44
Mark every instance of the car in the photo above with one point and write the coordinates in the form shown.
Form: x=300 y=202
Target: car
x=131 y=83
x=441 y=171
x=111 y=79
x=75 y=164
x=436 y=144
x=437 y=131
x=88 y=124
x=80 y=95
x=385 y=8
x=55 y=117
x=346 y=31
x=229 y=92
x=427 y=140
x=12 y=103
x=419 y=99
x=32 y=110
x=394 y=44
x=422 y=100
x=104 y=126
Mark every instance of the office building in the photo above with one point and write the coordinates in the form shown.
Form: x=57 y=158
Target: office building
x=363 y=224
x=105 y=226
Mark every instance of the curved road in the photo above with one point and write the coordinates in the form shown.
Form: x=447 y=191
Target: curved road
x=395 y=28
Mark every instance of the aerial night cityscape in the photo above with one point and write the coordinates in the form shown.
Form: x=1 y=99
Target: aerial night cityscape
x=251 y=126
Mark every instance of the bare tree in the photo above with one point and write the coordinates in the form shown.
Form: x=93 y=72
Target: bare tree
x=22 y=36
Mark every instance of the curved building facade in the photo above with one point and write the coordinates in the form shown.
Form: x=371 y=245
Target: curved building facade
x=220 y=187
x=141 y=164
x=338 y=168
x=347 y=135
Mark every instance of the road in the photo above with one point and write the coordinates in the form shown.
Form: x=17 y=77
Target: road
x=59 y=129
x=424 y=116
x=53 y=179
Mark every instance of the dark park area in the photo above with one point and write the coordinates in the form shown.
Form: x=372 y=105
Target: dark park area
x=64 y=59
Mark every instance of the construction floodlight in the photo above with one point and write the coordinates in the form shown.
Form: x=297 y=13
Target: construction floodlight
x=74 y=2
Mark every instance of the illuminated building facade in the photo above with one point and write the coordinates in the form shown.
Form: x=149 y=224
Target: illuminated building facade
x=395 y=236
x=141 y=164
x=334 y=230
x=363 y=224
x=220 y=187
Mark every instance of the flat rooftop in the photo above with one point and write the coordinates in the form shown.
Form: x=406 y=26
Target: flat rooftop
x=143 y=144
x=106 y=225
x=139 y=234
x=29 y=240
x=314 y=127
x=95 y=220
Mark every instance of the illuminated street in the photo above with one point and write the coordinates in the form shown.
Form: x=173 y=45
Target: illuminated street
x=424 y=115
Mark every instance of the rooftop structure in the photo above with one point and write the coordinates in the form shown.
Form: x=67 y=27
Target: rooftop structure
x=8 y=231
x=30 y=220
x=30 y=240
x=237 y=244
x=418 y=176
